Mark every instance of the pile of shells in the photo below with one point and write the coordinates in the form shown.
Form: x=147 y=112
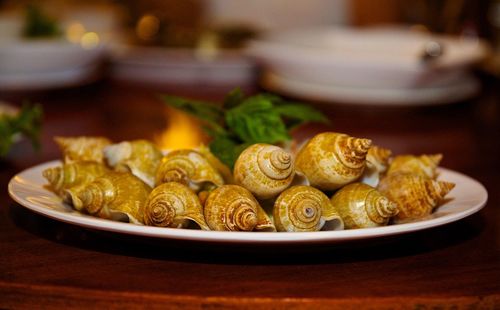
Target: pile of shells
x=334 y=182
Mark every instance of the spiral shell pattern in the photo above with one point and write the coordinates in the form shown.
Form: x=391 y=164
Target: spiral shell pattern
x=233 y=208
x=264 y=169
x=416 y=196
x=74 y=174
x=187 y=167
x=171 y=204
x=140 y=157
x=362 y=206
x=83 y=148
x=331 y=160
x=114 y=195
x=304 y=208
x=424 y=165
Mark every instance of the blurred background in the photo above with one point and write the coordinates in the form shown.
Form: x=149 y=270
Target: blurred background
x=74 y=56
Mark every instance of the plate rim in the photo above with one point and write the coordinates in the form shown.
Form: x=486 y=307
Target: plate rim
x=88 y=221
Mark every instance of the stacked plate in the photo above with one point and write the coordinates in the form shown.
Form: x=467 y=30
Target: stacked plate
x=386 y=66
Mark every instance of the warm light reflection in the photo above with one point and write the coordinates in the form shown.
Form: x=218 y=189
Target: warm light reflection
x=89 y=40
x=182 y=132
x=207 y=47
x=75 y=32
x=147 y=27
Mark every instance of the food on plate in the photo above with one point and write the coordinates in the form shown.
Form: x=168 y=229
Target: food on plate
x=190 y=168
x=265 y=170
x=83 y=148
x=331 y=160
x=234 y=208
x=416 y=196
x=73 y=175
x=305 y=208
x=173 y=204
x=377 y=162
x=362 y=206
x=424 y=165
x=140 y=157
x=115 y=195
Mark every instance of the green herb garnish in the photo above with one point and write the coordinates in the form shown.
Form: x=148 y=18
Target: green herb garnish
x=38 y=24
x=241 y=121
x=27 y=123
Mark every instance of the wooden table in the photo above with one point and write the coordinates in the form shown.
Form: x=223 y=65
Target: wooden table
x=46 y=263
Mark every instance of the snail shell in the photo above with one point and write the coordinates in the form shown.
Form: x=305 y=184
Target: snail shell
x=171 y=204
x=72 y=175
x=223 y=170
x=331 y=160
x=362 y=206
x=416 y=196
x=82 y=148
x=140 y=157
x=424 y=165
x=265 y=170
x=377 y=161
x=234 y=208
x=115 y=195
x=305 y=208
x=188 y=167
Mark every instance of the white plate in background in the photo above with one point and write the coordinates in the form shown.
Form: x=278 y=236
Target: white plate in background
x=27 y=188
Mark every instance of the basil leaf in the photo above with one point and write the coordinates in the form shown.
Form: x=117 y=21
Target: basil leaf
x=233 y=98
x=255 y=121
x=226 y=149
x=27 y=122
x=301 y=112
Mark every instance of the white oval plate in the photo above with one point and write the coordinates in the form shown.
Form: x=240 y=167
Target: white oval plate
x=27 y=188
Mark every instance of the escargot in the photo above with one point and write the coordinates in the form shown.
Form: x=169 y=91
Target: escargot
x=416 y=196
x=115 y=195
x=171 y=204
x=82 y=148
x=305 y=208
x=377 y=161
x=362 y=206
x=331 y=160
x=140 y=157
x=190 y=168
x=72 y=175
x=264 y=169
x=424 y=165
x=234 y=208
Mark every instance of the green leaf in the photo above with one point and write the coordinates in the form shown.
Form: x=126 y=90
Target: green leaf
x=209 y=113
x=226 y=149
x=233 y=98
x=300 y=113
x=38 y=24
x=255 y=121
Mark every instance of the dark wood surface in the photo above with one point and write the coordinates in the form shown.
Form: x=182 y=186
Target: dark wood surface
x=46 y=263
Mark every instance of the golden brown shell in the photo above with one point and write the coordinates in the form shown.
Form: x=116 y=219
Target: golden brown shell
x=331 y=160
x=72 y=175
x=377 y=161
x=264 y=169
x=305 y=208
x=116 y=195
x=171 y=204
x=140 y=157
x=82 y=148
x=188 y=167
x=424 y=165
x=233 y=208
x=416 y=196
x=362 y=206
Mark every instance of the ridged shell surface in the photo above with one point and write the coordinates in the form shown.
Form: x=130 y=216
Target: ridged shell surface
x=416 y=196
x=234 y=208
x=171 y=204
x=331 y=160
x=140 y=157
x=304 y=208
x=116 y=195
x=362 y=206
x=424 y=165
x=73 y=175
x=377 y=162
x=265 y=170
x=188 y=167
x=82 y=148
